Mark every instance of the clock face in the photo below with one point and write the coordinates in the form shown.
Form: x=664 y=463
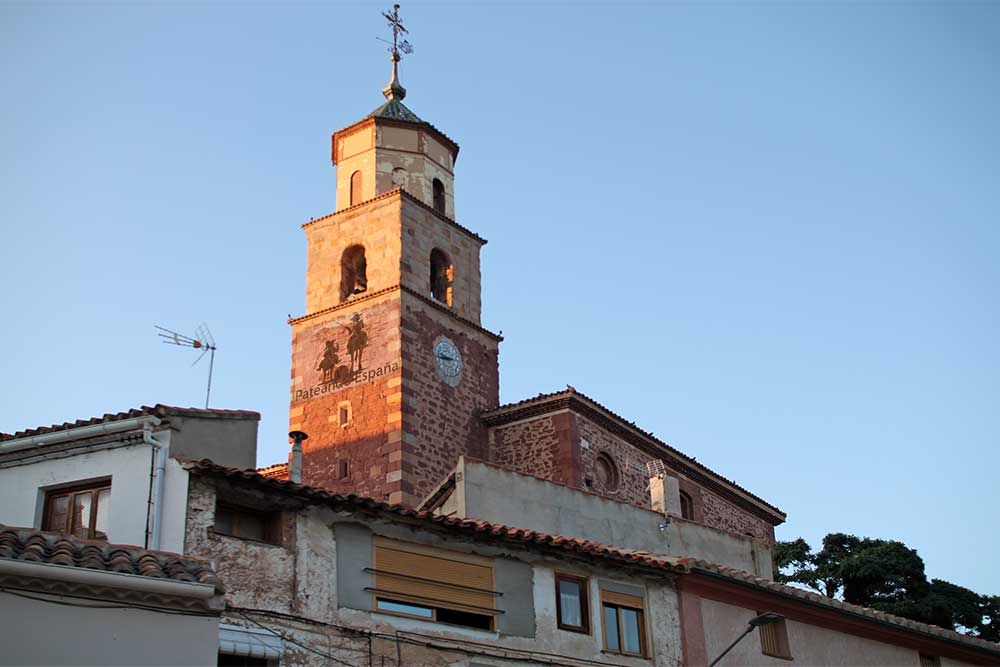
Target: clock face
x=448 y=361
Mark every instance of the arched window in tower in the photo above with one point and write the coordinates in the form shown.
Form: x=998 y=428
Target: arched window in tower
x=355 y=188
x=353 y=272
x=439 y=196
x=442 y=275
x=687 y=506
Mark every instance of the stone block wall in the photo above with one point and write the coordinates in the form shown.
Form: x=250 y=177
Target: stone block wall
x=360 y=455
x=423 y=231
x=441 y=422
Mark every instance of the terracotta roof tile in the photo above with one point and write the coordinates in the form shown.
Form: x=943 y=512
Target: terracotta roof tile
x=28 y=544
x=696 y=564
x=484 y=530
x=158 y=410
x=275 y=471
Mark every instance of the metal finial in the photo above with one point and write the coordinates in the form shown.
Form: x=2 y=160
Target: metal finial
x=395 y=90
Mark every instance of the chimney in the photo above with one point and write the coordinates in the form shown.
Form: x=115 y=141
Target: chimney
x=664 y=490
x=295 y=461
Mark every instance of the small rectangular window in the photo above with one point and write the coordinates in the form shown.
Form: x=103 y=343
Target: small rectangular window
x=345 y=469
x=246 y=523
x=571 y=603
x=774 y=640
x=81 y=511
x=624 y=624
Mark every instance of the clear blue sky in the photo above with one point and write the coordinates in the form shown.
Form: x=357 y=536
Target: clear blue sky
x=766 y=232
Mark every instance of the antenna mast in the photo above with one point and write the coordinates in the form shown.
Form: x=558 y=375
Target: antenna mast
x=203 y=341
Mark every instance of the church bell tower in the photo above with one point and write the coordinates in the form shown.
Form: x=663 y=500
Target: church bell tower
x=390 y=365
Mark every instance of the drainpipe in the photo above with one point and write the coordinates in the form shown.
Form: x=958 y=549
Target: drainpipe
x=295 y=464
x=160 y=472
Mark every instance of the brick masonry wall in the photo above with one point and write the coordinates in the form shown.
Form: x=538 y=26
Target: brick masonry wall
x=564 y=447
x=441 y=422
x=633 y=487
x=529 y=447
x=371 y=440
x=720 y=513
x=709 y=508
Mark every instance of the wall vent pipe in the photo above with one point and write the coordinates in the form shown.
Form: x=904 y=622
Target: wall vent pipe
x=295 y=461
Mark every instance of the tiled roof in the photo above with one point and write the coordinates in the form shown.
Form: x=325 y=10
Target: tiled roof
x=158 y=410
x=544 y=403
x=497 y=533
x=29 y=545
x=395 y=110
x=695 y=564
x=472 y=528
x=276 y=471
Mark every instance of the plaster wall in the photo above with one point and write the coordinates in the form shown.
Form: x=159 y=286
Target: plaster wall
x=24 y=483
x=318 y=573
x=41 y=633
x=809 y=644
x=501 y=496
x=227 y=439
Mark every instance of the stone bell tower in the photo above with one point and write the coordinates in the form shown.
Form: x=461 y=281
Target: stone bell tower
x=390 y=366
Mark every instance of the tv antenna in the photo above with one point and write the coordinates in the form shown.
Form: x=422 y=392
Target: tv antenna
x=203 y=341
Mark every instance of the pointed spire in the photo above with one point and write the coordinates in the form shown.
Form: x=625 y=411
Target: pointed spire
x=395 y=90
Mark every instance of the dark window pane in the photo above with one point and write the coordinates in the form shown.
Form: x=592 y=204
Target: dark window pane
x=465 y=618
x=224 y=520
x=611 y=628
x=631 y=639
x=569 y=603
x=251 y=526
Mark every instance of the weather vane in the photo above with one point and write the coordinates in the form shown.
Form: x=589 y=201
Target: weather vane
x=397 y=30
x=203 y=342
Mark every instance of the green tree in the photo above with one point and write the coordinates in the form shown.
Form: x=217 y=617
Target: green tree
x=888 y=576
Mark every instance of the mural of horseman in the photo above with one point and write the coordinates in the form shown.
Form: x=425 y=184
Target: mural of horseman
x=328 y=362
x=357 y=342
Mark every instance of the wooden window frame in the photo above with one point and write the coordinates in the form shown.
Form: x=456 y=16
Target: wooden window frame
x=94 y=487
x=428 y=603
x=270 y=520
x=584 y=584
x=777 y=646
x=619 y=601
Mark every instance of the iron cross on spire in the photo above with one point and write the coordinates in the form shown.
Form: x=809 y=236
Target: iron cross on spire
x=397 y=30
x=395 y=90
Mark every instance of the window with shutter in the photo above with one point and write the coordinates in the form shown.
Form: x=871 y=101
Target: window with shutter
x=420 y=582
x=774 y=640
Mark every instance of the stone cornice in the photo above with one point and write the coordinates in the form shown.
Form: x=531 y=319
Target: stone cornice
x=388 y=290
x=402 y=193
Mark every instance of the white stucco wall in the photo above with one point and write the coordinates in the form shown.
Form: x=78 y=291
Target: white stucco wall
x=23 y=485
x=42 y=633
x=809 y=644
